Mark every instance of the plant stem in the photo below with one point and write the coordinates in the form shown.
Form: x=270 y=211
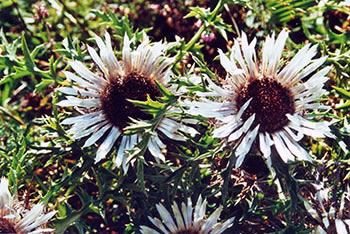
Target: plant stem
x=195 y=38
x=198 y=34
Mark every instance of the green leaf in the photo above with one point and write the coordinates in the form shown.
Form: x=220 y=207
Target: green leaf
x=53 y=66
x=284 y=11
x=342 y=92
x=36 y=50
x=343 y=106
x=149 y=103
x=63 y=224
x=6 y=4
x=27 y=57
x=199 y=12
x=5 y=92
x=102 y=15
x=118 y=23
x=163 y=90
x=42 y=85
x=204 y=67
x=20 y=72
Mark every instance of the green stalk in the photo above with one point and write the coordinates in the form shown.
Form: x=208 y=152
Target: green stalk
x=216 y=10
x=195 y=38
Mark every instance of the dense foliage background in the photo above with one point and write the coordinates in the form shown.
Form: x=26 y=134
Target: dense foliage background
x=42 y=162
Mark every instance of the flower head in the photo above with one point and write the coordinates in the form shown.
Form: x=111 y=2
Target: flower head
x=14 y=218
x=188 y=220
x=103 y=98
x=267 y=100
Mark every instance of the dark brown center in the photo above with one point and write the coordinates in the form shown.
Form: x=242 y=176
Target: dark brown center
x=188 y=231
x=6 y=226
x=270 y=103
x=115 y=104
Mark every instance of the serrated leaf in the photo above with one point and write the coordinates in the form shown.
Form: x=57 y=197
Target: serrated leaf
x=191 y=14
x=29 y=62
x=16 y=75
x=163 y=90
x=42 y=85
x=149 y=103
x=204 y=67
x=113 y=17
x=197 y=11
x=63 y=224
x=36 y=51
x=102 y=15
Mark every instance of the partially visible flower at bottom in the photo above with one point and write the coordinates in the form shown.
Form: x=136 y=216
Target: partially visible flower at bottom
x=14 y=218
x=187 y=220
x=330 y=217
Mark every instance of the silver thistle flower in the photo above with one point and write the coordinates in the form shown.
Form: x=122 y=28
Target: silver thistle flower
x=104 y=98
x=14 y=218
x=187 y=220
x=267 y=101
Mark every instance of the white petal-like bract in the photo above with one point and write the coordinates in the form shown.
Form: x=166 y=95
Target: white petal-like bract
x=187 y=220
